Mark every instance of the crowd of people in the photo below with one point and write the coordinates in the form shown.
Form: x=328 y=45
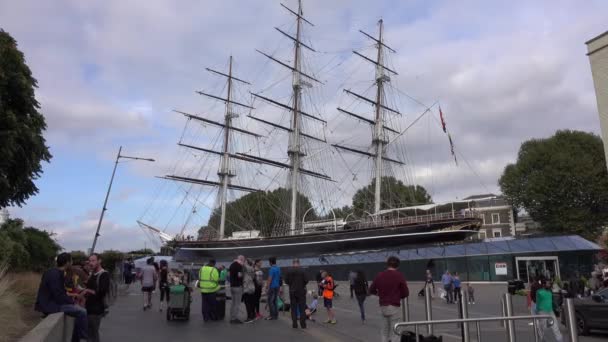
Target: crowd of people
x=247 y=285
x=76 y=290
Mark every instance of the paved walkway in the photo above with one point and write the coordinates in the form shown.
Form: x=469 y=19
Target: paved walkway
x=128 y=322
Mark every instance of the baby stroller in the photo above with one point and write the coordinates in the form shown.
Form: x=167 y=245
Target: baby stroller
x=179 y=303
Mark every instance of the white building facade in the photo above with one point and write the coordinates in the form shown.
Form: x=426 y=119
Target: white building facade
x=598 y=57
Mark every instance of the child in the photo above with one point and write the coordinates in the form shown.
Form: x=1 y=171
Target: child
x=471 y=294
x=312 y=308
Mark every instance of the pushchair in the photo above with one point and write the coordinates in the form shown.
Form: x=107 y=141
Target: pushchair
x=179 y=303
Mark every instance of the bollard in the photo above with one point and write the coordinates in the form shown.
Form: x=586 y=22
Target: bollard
x=464 y=313
x=428 y=307
x=571 y=320
x=405 y=309
x=509 y=311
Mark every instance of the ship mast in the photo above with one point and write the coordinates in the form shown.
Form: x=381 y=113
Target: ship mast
x=299 y=80
x=379 y=138
x=224 y=173
x=294 y=151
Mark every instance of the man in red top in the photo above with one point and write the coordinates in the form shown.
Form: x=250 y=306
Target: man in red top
x=390 y=287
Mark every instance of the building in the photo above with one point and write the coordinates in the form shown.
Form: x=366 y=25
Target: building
x=598 y=57
x=498 y=215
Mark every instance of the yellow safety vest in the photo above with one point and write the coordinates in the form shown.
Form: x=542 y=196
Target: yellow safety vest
x=208 y=279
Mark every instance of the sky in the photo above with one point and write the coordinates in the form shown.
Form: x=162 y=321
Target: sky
x=111 y=72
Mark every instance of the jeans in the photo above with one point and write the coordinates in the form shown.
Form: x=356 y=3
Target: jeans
x=273 y=293
x=457 y=294
x=448 y=293
x=361 y=301
x=237 y=296
x=164 y=292
x=298 y=306
x=80 y=322
x=94 y=322
x=545 y=328
x=258 y=295
x=249 y=299
x=390 y=316
x=209 y=306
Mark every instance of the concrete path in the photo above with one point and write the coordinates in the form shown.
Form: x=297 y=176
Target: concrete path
x=128 y=322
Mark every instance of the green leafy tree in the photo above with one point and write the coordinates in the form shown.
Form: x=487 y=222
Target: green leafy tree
x=78 y=257
x=41 y=247
x=22 y=146
x=395 y=194
x=264 y=211
x=110 y=259
x=561 y=182
x=27 y=248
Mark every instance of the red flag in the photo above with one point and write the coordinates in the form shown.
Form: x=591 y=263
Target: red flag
x=442 y=120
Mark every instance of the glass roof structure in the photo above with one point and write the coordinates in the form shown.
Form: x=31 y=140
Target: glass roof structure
x=543 y=244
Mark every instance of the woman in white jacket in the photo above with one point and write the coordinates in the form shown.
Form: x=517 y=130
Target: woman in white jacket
x=249 y=290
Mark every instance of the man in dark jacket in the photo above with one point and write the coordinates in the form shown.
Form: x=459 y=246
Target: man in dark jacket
x=52 y=297
x=96 y=291
x=297 y=280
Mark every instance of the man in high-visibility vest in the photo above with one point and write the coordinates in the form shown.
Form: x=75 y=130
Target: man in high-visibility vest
x=209 y=284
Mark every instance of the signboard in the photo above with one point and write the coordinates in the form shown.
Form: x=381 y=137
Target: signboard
x=501 y=268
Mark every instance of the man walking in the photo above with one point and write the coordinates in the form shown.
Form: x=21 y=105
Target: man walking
x=328 y=286
x=390 y=287
x=148 y=282
x=236 y=288
x=447 y=280
x=53 y=298
x=209 y=284
x=98 y=287
x=273 y=284
x=297 y=280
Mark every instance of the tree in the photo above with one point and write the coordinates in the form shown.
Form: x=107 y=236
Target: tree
x=394 y=194
x=562 y=182
x=267 y=212
x=110 y=259
x=27 y=248
x=22 y=146
x=78 y=257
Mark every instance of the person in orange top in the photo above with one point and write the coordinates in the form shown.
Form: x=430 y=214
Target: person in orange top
x=328 y=295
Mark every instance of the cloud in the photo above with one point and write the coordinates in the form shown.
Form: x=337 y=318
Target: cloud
x=111 y=72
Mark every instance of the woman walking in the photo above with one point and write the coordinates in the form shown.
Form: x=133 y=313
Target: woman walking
x=249 y=290
x=163 y=284
x=360 y=288
x=259 y=283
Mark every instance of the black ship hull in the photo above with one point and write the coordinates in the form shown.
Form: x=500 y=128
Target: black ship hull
x=329 y=242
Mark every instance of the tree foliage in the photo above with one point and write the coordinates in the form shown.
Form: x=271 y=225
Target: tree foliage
x=562 y=182
x=26 y=248
x=394 y=194
x=267 y=212
x=22 y=146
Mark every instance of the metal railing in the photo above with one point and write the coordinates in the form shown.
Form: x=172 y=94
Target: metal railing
x=507 y=320
x=417 y=219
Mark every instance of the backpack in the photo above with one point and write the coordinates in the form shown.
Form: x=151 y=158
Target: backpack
x=110 y=297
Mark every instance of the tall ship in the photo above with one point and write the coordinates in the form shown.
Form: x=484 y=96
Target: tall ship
x=277 y=163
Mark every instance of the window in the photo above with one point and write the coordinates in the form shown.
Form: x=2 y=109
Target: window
x=482 y=235
x=497 y=233
x=495 y=218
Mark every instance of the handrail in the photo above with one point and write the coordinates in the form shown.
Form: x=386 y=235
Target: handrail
x=399 y=325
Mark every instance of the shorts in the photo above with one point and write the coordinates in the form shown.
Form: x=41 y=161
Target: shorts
x=327 y=303
x=147 y=288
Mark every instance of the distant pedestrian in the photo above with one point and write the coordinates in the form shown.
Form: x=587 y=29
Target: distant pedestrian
x=127 y=271
x=390 y=287
x=319 y=278
x=429 y=281
x=148 y=278
x=328 y=295
x=273 y=284
x=259 y=284
x=53 y=298
x=220 y=295
x=236 y=273
x=457 y=296
x=97 y=289
x=544 y=306
x=208 y=283
x=249 y=290
x=361 y=290
x=351 y=279
x=297 y=280
x=163 y=285
x=534 y=287
x=470 y=293
x=447 y=281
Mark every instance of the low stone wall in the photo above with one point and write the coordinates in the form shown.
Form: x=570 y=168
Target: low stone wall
x=56 y=327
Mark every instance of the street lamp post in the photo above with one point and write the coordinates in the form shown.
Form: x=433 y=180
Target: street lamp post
x=105 y=202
